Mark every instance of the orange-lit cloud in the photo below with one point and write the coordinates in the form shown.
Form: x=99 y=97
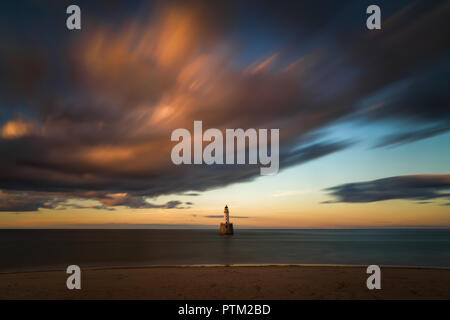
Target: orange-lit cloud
x=106 y=106
x=17 y=128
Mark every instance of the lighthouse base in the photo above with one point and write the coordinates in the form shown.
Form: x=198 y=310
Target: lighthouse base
x=226 y=228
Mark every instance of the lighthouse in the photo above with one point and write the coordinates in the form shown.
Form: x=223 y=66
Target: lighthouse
x=226 y=214
x=226 y=228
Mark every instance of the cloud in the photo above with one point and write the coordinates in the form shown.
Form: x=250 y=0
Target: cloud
x=22 y=202
x=221 y=216
x=413 y=187
x=287 y=193
x=411 y=136
x=17 y=128
x=77 y=206
x=17 y=201
x=100 y=107
x=135 y=202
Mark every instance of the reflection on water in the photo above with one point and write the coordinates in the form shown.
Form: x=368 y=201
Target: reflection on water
x=227 y=249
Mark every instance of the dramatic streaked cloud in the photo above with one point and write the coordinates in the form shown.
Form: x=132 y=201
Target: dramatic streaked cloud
x=414 y=187
x=89 y=114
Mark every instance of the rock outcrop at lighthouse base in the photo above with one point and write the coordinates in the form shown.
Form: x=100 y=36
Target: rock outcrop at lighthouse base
x=226 y=228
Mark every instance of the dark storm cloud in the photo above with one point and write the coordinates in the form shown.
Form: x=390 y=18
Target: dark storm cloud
x=417 y=187
x=89 y=114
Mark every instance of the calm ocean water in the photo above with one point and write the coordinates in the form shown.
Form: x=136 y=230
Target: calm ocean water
x=56 y=249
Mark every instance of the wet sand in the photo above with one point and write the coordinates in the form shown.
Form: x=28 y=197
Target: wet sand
x=235 y=282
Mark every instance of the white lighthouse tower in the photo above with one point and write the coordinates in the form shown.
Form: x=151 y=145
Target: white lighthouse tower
x=226 y=213
x=226 y=227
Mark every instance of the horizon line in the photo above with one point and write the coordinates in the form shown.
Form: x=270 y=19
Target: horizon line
x=124 y=226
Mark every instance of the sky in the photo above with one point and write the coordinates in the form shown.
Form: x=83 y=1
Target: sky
x=86 y=115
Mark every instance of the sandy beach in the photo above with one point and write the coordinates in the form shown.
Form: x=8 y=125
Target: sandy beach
x=235 y=282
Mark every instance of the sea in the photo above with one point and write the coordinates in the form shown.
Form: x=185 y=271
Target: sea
x=31 y=250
